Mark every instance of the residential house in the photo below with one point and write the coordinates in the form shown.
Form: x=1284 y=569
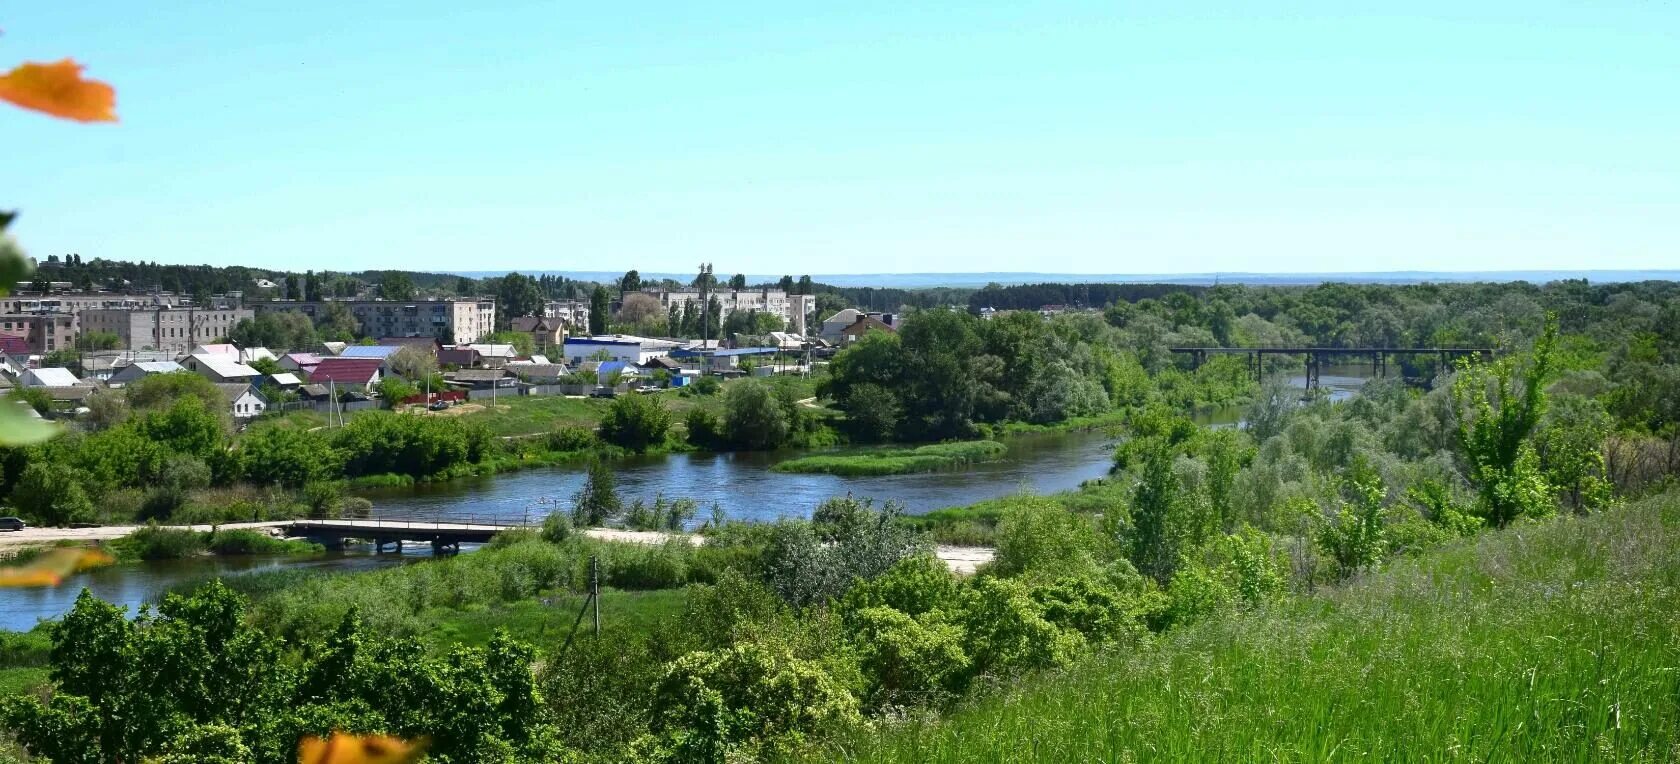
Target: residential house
x=427 y=345
x=459 y=356
x=51 y=376
x=14 y=346
x=285 y=381
x=546 y=333
x=481 y=379
x=834 y=325
x=495 y=356
x=134 y=372
x=218 y=367
x=539 y=373
x=353 y=374
x=244 y=401
x=255 y=354
x=612 y=372
x=217 y=348
x=381 y=352
x=861 y=327
x=302 y=363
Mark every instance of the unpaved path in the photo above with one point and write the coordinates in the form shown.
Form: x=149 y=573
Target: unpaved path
x=960 y=559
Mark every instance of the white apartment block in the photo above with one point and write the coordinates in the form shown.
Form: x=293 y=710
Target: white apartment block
x=793 y=308
x=461 y=321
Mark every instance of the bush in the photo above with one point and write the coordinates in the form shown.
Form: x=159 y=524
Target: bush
x=52 y=494
x=289 y=457
x=556 y=528
x=705 y=430
x=1040 y=537
x=909 y=661
x=635 y=422
x=155 y=543
x=568 y=439
x=743 y=702
x=238 y=542
x=1007 y=631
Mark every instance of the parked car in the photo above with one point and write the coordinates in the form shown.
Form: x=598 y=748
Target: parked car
x=439 y=405
x=12 y=524
x=601 y=392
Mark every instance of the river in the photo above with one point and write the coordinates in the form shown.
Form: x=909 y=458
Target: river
x=741 y=484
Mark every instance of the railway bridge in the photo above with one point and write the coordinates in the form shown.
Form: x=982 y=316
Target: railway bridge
x=1317 y=357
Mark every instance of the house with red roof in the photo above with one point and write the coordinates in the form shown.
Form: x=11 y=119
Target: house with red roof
x=359 y=374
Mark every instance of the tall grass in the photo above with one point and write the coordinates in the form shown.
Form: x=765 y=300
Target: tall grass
x=897 y=461
x=1553 y=642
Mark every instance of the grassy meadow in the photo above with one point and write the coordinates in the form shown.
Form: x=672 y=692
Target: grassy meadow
x=1555 y=641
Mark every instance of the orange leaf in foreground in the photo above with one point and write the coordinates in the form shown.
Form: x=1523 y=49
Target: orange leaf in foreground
x=342 y=748
x=58 y=89
x=51 y=567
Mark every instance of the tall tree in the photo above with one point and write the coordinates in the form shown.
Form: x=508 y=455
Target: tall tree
x=312 y=287
x=632 y=282
x=738 y=282
x=517 y=295
x=396 y=285
x=294 y=287
x=600 y=310
x=1498 y=406
x=805 y=285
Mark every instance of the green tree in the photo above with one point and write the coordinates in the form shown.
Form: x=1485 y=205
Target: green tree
x=600 y=310
x=1498 y=406
x=98 y=340
x=738 y=282
x=287 y=456
x=635 y=422
x=1571 y=450
x=1351 y=533
x=52 y=494
x=517 y=295
x=396 y=285
x=1157 y=532
x=598 y=501
x=522 y=342
x=753 y=417
x=631 y=282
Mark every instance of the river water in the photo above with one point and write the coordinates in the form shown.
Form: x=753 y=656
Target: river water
x=741 y=484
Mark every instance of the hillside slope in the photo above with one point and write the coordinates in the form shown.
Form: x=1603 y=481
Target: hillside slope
x=1557 y=641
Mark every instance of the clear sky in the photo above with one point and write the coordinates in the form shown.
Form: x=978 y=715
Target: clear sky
x=781 y=137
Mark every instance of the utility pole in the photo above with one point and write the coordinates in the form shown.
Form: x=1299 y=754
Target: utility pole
x=595 y=590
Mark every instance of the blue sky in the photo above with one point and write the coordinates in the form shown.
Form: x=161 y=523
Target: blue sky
x=857 y=137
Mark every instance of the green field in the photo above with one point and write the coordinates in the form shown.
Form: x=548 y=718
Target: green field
x=1543 y=642
x=897 y=461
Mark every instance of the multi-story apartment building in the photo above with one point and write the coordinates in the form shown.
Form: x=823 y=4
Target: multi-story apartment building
x=792 y=308
x=460 y=321
x=73 y=304
x=573 y=313
x=175 y=330
x=45 y=332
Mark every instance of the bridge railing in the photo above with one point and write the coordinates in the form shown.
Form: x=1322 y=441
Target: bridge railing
x=435 y=520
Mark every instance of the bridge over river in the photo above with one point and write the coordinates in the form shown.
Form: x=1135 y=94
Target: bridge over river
x=1319 y=357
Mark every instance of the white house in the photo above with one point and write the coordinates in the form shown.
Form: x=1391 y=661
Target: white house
x=243 y=399
x=48 y=377
x=255 y=354
x=495 y=356
x=221 y=368
x=134 y=372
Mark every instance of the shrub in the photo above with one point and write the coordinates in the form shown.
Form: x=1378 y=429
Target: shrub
x=909 y=661
x=289 y=457
x=568 y=439
x=556 y=528
x=1007 y=632
x=154 y=543
x=1039 y=536
x=705 y=430
x=747 y=701
x=914 y=585
x=51 y=494
x=598 y=501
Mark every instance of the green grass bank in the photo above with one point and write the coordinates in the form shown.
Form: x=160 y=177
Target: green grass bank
x=1544 y=642
x=897 y=461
